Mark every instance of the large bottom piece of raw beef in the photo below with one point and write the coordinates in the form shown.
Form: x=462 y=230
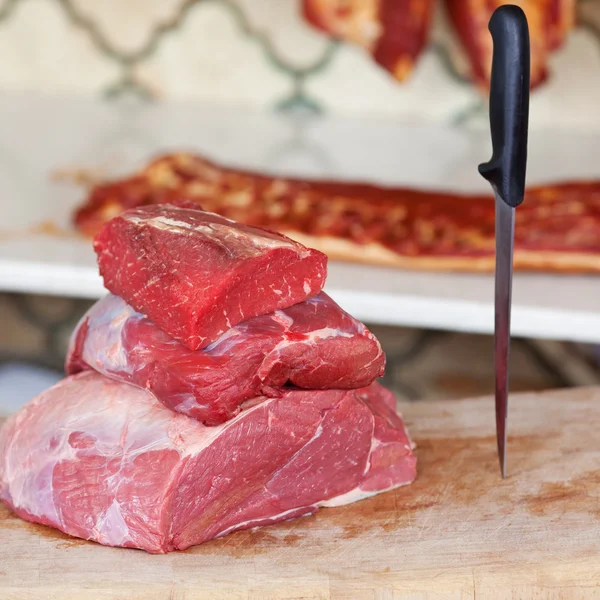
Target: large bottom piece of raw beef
x=106 y=461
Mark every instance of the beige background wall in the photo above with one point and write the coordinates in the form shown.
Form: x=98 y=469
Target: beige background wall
x=261 y=53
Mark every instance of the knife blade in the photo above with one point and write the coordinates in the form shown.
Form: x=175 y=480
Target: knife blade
x=509 y=120
x=505 y=229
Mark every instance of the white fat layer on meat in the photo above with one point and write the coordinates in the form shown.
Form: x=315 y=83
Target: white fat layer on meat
x=282 y=318
x=355 y=495
x=221 y=229
x=225 y=341
x=161 y=222
x=375 y=443
x=266 y=520
x=111 y=528
x=188 y=405
x=327 y=332
x=227 y=321
x=105 y=348
x=32 y=493
x=316 y=435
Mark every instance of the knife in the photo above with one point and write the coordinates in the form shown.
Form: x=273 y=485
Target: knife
x=509 y=116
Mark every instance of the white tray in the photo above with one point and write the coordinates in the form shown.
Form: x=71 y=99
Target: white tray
x=40 y=135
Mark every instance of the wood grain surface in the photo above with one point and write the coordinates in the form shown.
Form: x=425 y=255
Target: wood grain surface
x=458 y=532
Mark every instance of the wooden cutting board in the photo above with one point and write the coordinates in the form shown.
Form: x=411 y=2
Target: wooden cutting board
x=458 y=532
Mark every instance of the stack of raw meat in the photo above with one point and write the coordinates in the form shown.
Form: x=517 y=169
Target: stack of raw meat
x=217 y=388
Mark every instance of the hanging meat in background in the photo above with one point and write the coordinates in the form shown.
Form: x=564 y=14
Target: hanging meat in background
x=393 y=31
x=396 y=31
x=560 y=20
x=549 y=23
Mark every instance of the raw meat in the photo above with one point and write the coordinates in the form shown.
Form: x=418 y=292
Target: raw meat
x=393 y=31
x=196 y=274
x=104 y=460
x=550 y=21
x=313 y=345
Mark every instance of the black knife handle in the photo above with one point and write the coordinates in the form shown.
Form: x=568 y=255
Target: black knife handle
x=509 y=104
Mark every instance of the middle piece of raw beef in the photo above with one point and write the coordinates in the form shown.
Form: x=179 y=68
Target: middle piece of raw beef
x=312 y=345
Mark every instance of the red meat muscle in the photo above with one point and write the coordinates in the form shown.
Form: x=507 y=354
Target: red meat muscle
x=196 y=274
x=313 y=345
x=105 y=461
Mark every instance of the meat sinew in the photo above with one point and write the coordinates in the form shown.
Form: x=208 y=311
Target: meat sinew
x=313 y=345
x=104 y=460
x=196 y=274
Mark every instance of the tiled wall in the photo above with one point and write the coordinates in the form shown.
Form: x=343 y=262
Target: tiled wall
x=260 y=52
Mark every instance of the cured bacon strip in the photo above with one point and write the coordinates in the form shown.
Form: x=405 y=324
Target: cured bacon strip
x=557 y=229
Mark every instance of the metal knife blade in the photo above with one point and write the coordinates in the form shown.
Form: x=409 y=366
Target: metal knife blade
x=505 y=235
x=509 y=117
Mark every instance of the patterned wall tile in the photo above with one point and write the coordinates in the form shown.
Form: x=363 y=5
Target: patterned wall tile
x=128 y=27
x=351 y=84
x=210 y=58
x=571 y=97
x=294 y=43
x=40 y=49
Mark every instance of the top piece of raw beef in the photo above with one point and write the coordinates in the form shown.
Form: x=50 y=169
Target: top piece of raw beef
x=196 y=274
